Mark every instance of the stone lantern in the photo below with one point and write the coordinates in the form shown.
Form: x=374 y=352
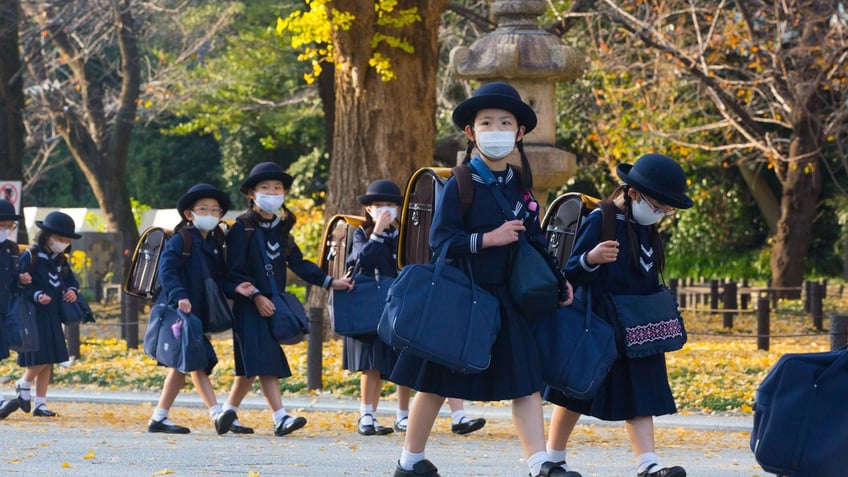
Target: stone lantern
x=533 y=61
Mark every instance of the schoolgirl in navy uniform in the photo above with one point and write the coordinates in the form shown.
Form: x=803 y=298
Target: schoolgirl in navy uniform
x=200 y=209
x=494 y=119
x=50 y=274
x=635 y=389
x=10 y=282
x=375 y=246
x=256 y=351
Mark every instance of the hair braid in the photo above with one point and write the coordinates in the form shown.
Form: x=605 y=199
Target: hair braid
x=526 y=173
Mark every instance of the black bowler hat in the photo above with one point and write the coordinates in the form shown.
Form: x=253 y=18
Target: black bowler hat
x=203 y=191
x=58 y=223
x=266 y=171
x=495 y=95
x=7 y=211
x=382 y=190
x=658 y=176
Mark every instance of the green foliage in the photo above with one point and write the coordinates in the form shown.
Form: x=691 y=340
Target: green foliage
x=138 y=209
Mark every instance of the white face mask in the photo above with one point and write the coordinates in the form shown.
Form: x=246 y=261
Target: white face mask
x=269 y=203
x=496 y=144
x=4 y=234
x=379 y=210
x=644 y=214
x=204 y=223
x=57 y=247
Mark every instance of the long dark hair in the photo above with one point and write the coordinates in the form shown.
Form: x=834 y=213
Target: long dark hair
x=656 y=240
x=525 y=175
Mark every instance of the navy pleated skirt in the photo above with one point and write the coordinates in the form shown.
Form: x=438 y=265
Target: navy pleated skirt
x=514 y=371
x=368 y=353
x=51 y=338
x=633 y=388
x=255 y=351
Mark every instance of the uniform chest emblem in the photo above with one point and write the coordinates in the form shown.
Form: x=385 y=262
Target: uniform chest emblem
x=272 y=249
x=53 y=278
x=645 y=260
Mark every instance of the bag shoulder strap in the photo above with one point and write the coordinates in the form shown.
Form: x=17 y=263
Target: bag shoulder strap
x=187 y=241
x=465 y=185
x=608 y=213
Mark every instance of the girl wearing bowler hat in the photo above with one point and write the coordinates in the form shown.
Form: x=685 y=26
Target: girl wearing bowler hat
x=495 y=120
x=635 y=389
x=264 y=230
x=10 y=279
x=200 y=209
x=375 y=246
x=52 y=280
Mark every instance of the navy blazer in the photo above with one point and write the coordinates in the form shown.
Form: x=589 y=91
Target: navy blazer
x=374 y=252
x=50 y=273
x=182 y=277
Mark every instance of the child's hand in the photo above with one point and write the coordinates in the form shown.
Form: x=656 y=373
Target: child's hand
x=264 y=305
x=184 y=305
x=43 y=299
x=69 y=296
x=570 y=298
x=342 y=284
x=245 y=289
x=382 y=223
x=604 y=252
x=503 y=235
x=25 y=278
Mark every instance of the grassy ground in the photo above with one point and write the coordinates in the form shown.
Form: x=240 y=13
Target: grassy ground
x=717 y=371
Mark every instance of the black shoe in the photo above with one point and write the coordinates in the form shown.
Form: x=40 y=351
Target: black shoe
x=23 y=403
x=400 y=424
x=239 y=429
x=382 y=431
x=42 y=411
x=225 y=421
x=554 y=469
x=160 y=426
x=8 y=407
x=467 y=426
x=289 y=424
x=366 y=429
x=656 y=471
x=425 y=468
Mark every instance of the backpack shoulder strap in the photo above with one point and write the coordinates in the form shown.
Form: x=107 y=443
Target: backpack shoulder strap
x=250 y=225
x=187 y=241
x=33 y=258
x=608 y=212
x=465 y=185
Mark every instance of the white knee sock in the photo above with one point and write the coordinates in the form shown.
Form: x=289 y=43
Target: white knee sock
x=456 y=416
x=645 y=461
x=535 y=462
x=556 y=455
x=409 y=459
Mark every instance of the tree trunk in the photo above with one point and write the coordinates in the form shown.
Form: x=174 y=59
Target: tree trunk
x=11 y=99
x=382 y=129
x=762 y=194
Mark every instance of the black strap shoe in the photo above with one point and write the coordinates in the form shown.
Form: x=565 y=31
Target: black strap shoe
x=8 y=407
x=657 y=471
x=400 y=424
x=239 y=429
x=42 y=411
x=24 y=404
x=225 y=421
x=160 y=426
x=554 y=469
x=467 y=426
x=289 y=424
x=424 y=468
x=366 y=429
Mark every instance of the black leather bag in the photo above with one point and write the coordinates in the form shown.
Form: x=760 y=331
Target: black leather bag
x=289 y=323
x=532 y=283
x=649 y=324
x=20 y=328
x=219 y=315
x=577 y=349
x=437 y=312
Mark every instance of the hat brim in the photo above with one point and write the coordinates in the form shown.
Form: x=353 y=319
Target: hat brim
x=186 y=201
x=64 y=233
x=642 y=184
x=251 y=181
x=463 y=114
x=11 y=217
x=368 y=199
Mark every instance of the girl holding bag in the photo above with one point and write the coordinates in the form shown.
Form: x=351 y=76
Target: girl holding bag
x=375 y=248
x=495 y=120
x=636 y=389
x=200 y=209
x=260 y=236
x=51 y=281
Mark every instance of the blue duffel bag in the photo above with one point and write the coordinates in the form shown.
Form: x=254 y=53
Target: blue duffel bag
x=175 y=339
x=800 y=416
